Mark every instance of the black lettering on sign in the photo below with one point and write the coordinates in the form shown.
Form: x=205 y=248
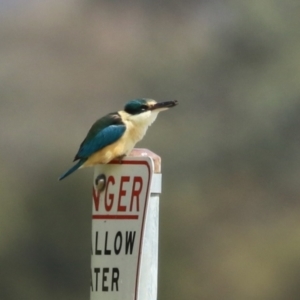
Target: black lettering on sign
x=97 y=251
x=118 y=242
x=97 y=271
x=115 y=279
x=108 y=274
x=130 y=237
x=104 y=279
x=106 y=251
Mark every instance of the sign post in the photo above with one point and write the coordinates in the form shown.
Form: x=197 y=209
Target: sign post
x=125 y=228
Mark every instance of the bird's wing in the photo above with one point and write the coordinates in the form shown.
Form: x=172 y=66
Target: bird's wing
x=104 y=138
x=104 y=132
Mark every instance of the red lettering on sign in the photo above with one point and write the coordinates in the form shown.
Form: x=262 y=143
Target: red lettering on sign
x=111 y=197
x=135 y=193
x=96 y=198
x=122 y=192
x=126 y=190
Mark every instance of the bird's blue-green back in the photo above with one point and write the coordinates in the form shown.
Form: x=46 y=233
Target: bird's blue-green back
x=104 y=132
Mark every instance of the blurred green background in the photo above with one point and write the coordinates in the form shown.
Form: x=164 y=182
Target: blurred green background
x=230 y=213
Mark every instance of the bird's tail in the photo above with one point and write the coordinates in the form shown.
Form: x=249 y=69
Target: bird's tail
x=73 y=169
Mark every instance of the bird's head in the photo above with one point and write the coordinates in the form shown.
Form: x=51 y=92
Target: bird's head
x=139 y=106
x=143 y=112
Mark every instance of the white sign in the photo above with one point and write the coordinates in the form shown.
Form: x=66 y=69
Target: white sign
x=118 y=221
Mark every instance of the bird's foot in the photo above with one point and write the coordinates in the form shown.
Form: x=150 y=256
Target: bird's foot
x=119 y=158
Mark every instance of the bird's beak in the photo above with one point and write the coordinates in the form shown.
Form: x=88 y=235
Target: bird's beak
x=163 y=105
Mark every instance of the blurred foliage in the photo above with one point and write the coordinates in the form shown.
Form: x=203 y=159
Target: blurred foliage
x=230 y=226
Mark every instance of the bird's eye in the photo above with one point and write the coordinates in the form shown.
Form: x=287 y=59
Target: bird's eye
x=144 y=108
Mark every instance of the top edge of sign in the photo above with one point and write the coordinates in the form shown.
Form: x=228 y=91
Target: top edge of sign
x=142 y=153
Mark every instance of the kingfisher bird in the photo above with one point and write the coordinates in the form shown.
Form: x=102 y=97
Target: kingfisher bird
x=114 y=135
